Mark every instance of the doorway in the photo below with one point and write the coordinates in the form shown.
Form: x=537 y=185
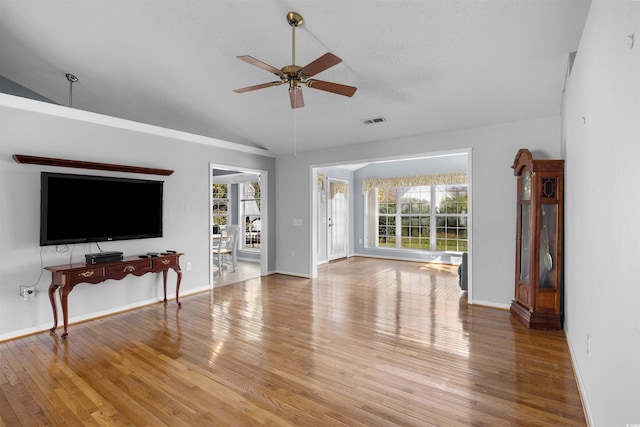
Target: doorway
x=359 y=242
x=229 y=204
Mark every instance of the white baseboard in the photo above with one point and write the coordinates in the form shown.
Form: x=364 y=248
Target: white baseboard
x=579 y=381
x=288 y=273
x=491 y=304
x=397 y=258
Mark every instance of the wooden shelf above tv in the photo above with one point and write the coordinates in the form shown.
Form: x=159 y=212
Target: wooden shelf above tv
x=49 y=161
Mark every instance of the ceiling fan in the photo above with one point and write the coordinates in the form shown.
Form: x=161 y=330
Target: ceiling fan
x=296 y=75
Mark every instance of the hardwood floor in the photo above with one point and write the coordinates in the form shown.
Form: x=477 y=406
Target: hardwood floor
x=368 y=343
x=244 y=270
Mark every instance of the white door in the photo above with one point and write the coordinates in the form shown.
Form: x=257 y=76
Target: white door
x=337 y=223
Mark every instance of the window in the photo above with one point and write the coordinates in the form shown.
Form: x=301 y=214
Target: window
x=415 y=218
x=220 y=197
x=422 y=217
x=387 y=217
x=249 y=194
x=451 y=218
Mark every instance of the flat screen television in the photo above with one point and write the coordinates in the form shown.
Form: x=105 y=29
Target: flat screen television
x=86 y=208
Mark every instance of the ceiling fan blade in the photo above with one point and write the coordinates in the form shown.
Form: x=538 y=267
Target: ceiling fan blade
x=331 y=87
x=295 y=96
x=327 y=60
x=253 y=61
x=260 y=86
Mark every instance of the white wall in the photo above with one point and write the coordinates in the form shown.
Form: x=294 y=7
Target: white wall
x=494 y=194
x=39 y=129
x=602 y=232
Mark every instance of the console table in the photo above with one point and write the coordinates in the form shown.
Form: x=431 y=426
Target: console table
x=65 y=277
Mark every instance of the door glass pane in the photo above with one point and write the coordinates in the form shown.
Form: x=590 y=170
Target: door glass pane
x=338 y=225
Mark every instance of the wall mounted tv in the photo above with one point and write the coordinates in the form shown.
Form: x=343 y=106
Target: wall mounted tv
x=86 y=208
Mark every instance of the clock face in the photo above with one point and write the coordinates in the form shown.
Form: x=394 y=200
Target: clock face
x=526 y=186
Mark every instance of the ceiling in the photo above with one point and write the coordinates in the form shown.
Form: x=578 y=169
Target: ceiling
x=425 y=66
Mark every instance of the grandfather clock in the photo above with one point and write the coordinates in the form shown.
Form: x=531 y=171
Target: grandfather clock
x=538 y=281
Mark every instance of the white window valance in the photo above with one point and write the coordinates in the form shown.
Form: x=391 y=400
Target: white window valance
x=338 y=188
x=412 y=181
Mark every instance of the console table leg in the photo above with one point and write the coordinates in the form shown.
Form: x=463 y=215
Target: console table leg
x=64 y=293
x=52 y=298
x=179 y=273
x=164 y=282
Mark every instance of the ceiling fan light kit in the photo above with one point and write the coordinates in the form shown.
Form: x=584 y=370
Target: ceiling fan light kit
x=295 y=75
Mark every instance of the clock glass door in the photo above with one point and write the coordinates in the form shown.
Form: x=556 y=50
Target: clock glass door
x=525 y=215
x=548 y=246
x=524 y=242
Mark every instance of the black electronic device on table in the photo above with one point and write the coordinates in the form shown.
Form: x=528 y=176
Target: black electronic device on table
x=102 y=257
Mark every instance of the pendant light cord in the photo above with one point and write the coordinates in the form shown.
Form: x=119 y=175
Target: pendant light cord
x=295 y=122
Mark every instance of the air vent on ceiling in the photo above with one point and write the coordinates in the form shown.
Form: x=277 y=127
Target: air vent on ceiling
x=374 y=120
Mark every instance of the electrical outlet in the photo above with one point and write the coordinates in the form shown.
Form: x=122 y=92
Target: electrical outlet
x=588 y=345
x=188 y=266
x=28 y=292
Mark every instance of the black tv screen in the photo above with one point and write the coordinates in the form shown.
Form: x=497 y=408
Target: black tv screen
x=86 y=208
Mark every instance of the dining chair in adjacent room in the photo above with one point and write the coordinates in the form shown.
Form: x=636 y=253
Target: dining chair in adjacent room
x=225 y=248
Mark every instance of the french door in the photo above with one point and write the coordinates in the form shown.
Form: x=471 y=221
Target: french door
x=338 y=221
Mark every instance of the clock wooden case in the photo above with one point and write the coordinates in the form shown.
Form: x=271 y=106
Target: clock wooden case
x=538 y=280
